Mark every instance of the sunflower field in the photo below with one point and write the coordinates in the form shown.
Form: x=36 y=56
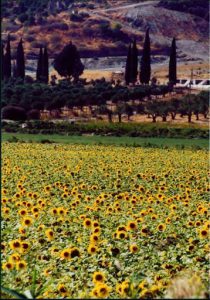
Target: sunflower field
x=102 y=221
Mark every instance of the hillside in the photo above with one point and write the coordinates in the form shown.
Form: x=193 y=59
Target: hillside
x=105 y=28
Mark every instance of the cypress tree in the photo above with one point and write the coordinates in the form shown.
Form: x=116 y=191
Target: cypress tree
x=145 y=70
x=39 y=70
x=134 y=63
x=128 y=67
x=45 y=67
x=2 y=61
x=172 y=63
x=14 y=70
x=20 y=61
x=7 y=60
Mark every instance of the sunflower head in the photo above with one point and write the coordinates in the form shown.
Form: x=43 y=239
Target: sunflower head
x=103 y=290
x=132 y=225
x=92 y=249
x=20 y=265
x=98 y=277
x=87 y=223
x=133 y=248
x=74 y=252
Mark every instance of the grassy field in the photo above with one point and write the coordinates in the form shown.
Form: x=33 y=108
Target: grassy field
x=104 y=140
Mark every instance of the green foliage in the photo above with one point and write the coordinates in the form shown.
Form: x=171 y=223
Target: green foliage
x=68 y=63
x=145 y=69
x=172 y=63
x=111 y=129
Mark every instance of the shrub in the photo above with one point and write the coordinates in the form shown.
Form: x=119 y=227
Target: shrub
x=76 y=18
x=33 y=114
x=13 y=113
x=30 y=38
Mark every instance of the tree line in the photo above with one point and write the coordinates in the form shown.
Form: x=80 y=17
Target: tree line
x=131 y=69
x=68 y=63
x=21 y=101
x=17 y=70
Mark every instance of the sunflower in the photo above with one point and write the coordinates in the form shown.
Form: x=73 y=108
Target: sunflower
x=92 y=249
x=24 y=247
x=27 y=221
x=133 y=248
x=22 y=230
x=119 y=288
x=98 y=277
x=22 y=212
x=35 y=209
x=161 y=227
x=61 y=211
x=144 y=231
x=20 y=265
x=94 y=292
x=8 y=266
x=50 y=234
x=139 y=220
x=203 y=233
x=54 y=211
x=65 y=254
x=41 y=227
x=6 y=210
x=132 y=225
x=97 y=231
x=15 y=244
x=190 y=247
x=122 y=228
x=95 y=224
x=74 y=252
x=103 y=290
x=54 y=251
x=14 y=258
x=125 y=288
x=94 y=238
x=47 y=272
x=62 y=289
x=87 y=223
x=122 y=235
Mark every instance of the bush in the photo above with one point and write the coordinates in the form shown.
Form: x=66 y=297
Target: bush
x=30 y=38
x=23 y=17
x=15 y=113
x=76 y=18
x=56 y=25
x=36 y=44
x=33 y=114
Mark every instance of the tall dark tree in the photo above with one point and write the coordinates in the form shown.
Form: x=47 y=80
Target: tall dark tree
x=45 y=67
x=134 y=63
x=39 y=70
x=2 y=61
x=172 y=63
x=20 y=61
x=128 y=66
x=7 y=60
x=145 y=65
x=68 y=63
x=14 y=70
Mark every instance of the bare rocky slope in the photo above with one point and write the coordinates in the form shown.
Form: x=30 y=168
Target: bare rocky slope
x=107 y=32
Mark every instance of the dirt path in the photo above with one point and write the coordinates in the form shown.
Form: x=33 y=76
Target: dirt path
x=126 y=6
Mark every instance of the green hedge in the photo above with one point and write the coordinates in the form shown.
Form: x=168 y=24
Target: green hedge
x=110 y=129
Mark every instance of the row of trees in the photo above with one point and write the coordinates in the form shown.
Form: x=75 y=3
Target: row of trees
x=18 y=69
x=67 y=63
x=131 y=69
x=100 y=98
